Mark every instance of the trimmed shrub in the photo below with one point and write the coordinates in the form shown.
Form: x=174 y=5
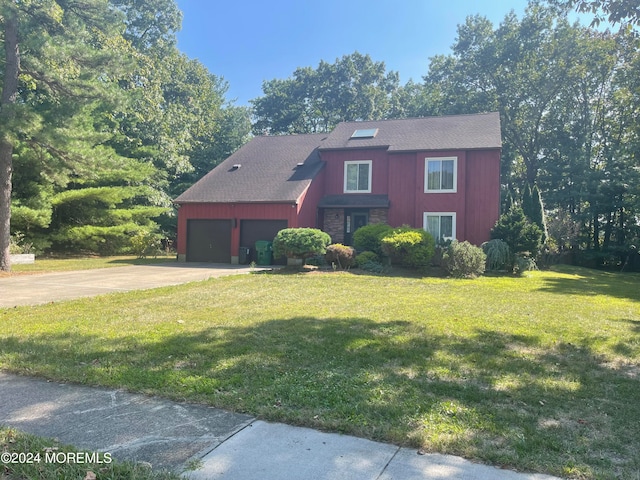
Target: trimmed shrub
x=368 y=238
x=411 y=247
x=366 y=257
x=498 y=254
x=300 y=243
x=341 y=255
x=463 y=260
x=316 y=261
x=373 y=267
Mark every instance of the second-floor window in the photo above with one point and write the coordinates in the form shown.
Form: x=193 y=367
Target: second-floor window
x=357 y=176
x=441 y=175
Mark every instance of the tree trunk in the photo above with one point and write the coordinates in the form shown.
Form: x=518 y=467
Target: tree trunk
x=621 y=236
x=596 y=232
x=7 y=114
x=608 y=229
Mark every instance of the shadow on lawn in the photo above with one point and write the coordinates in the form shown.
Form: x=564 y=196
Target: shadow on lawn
x=584 y=281
x=506 y=399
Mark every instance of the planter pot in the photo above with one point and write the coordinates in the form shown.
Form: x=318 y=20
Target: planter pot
x=22 y=258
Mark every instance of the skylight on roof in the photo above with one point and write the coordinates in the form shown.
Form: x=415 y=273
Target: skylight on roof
x=365 y=133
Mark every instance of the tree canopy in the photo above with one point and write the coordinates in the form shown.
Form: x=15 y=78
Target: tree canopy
x=568 y=100
x=103 y=120
x=316 y=100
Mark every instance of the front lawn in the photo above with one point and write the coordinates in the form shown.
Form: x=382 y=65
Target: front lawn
x=540 y=373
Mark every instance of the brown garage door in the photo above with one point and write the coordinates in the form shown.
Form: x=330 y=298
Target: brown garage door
x=209 y=241
x=253 y=230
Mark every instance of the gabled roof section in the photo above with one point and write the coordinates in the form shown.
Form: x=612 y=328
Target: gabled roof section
x=466 y=132
x=267 y=169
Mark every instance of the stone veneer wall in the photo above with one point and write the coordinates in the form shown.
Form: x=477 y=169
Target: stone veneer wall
x=334 y=221
x=378 y=215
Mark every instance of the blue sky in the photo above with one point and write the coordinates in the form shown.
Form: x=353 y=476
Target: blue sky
x=250 y=41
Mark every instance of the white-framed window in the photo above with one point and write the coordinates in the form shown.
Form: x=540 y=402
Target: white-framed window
x=441 y=175
x=441 y=225
x=357 y=176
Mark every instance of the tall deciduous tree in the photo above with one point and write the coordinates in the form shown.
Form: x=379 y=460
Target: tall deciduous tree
x=519 y=69
x=315 y=100
x=612 y=11
x=568 y=99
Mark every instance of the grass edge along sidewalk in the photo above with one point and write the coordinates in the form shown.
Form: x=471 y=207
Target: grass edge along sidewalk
x=26 y=456
x=537 y=373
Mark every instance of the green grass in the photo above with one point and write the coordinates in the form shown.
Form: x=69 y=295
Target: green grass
x=539 y=373
x=42 y=265
x=36 y=458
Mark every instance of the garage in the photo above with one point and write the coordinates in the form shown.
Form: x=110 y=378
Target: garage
x=253 y=230
x=209 y=241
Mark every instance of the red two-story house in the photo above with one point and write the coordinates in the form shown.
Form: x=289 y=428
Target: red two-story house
x=437 y=173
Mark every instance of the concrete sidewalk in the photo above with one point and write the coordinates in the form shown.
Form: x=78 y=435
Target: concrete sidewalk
x=40 y=288
x=224 y=445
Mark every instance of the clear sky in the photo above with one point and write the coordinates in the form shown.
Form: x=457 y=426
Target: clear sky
x=250 y=41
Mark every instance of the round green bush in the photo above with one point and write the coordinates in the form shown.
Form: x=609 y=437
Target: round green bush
x=464 y=260
x=300 y=243
x=368 y=237
x=366 y=257
x=411 y=247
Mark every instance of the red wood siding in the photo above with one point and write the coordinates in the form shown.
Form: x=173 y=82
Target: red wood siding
x=404 y=188
x=482 y=203
x=401 y=176
x=240 y=211
x=309 y=200
x=334 y=169
x=441 y=202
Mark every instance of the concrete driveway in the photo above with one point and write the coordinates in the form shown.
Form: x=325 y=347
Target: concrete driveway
x=41 y=288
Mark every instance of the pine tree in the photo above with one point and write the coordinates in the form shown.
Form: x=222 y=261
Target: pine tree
x=59 y=60
x=537 y=215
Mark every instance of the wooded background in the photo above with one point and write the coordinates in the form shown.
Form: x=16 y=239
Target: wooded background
x=103 y=120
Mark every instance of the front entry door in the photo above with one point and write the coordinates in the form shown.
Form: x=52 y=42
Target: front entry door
x=353 y=220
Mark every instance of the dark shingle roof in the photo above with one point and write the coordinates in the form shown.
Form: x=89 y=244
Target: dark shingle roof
x=476 y=131
x=268 y=172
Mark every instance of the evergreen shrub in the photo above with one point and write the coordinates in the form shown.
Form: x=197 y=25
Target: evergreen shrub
x=411 y=247
x=300 y=243
x=366 y=257
x=368 y=238
x=498 y=254
x=464 y=260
